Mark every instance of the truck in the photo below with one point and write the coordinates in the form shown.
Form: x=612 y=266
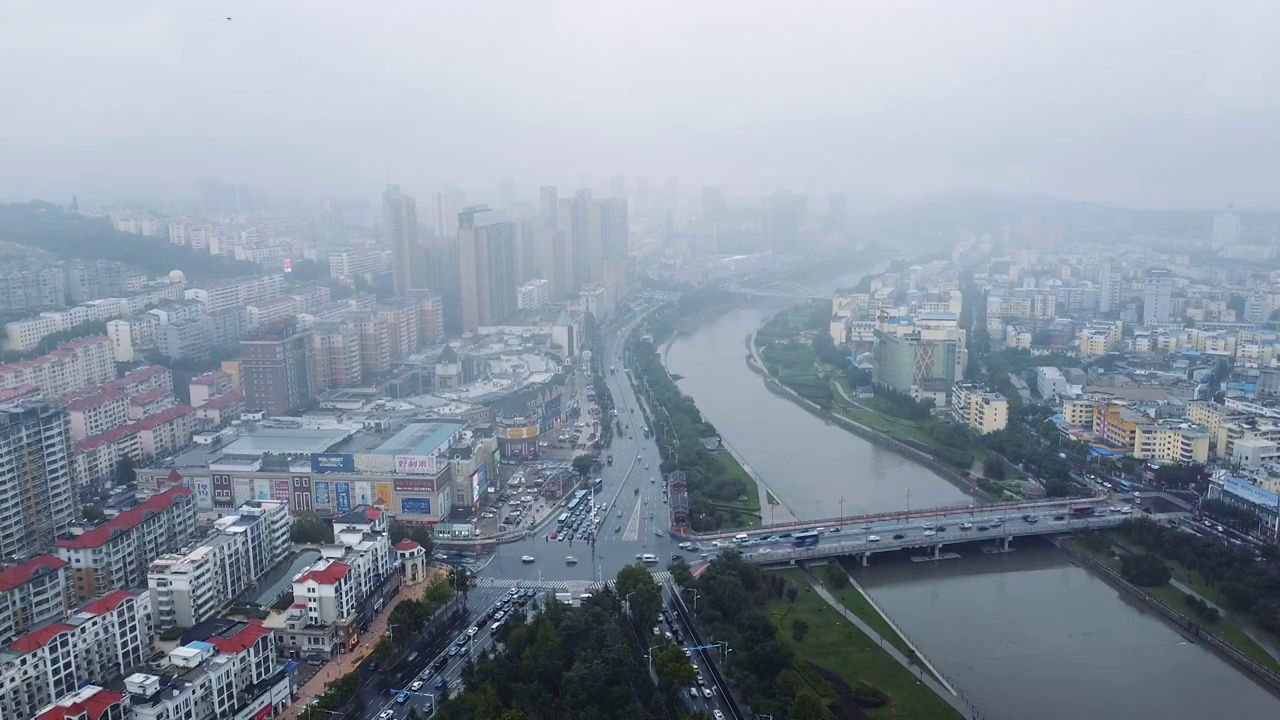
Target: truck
x=609 y=459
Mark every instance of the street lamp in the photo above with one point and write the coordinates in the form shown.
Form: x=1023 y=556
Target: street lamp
x=650 y=656
x=627 y=601
x=695 y=597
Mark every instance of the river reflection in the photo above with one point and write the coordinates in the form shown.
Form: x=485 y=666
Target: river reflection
x=1022 y=635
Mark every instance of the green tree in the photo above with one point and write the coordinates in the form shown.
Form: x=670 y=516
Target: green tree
x=673 y=669
x=993 y=469
x=636 y=586
x=583 y=464
x=1145 y=570
x=680 y=572
x=808 y=706
x=420 y=534
x=310 y=528
x=125 y=473
x=799 y=628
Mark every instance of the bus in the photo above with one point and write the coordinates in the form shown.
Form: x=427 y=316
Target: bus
x=577 y=500
x=805 y=539
x=1123 y=486
x=598 y=485
x=1079 y=510
x=564 y=518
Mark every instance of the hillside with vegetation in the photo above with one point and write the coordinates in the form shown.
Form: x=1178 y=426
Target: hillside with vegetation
x=42 y=226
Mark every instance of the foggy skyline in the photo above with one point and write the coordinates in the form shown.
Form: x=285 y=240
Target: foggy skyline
x=1152 y=104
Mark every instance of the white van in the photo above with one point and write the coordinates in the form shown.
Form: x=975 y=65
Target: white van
x=740 y=538
x=648 y=559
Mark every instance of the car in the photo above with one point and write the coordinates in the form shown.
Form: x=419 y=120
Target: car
x=1126 y=511
x=966 y=526
x=530 y=593
x=454 y=650
x=717 y=715
x=473 y=630
x=426 y=674
x=1059 y=518
x=385 y=714
x=571 y=560
x=416 y=686
x=929 y=533
x=656 y=630
x=441 y=683
x=706 y=693
x=873 y=538
x=688 y=653
x=983 y=528
x=618 y=529
x=499 y=615
x=693 y=693
x=898 y=536
x=463 y=639
x=701 y=680
x=528 y=559
x=512 y=592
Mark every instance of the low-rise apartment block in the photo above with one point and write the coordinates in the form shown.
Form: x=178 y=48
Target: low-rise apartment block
x=187 y=589
x=983 y=412
x=74 y=365
x=103 y=640
x=1181 y=443
x=1100 y=338
x=234 y=673
x=118 y=553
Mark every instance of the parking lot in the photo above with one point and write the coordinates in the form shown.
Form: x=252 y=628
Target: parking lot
x=523 y=499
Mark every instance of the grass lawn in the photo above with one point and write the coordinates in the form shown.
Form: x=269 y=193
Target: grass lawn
x=835 y=644
x=858 y=605
x=1229 y=628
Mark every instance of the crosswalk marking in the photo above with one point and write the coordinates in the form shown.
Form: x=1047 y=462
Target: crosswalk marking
x=660 y=576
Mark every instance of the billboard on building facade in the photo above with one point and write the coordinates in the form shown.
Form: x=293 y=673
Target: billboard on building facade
x=320 y=490
x=343 y=496
x=332 y=463
x=479 y=480
x=203 y=492
x=416 y=465
x=382 y=494
x=414 y=484
x=261 y=489
x=280 y=490
x=415 y=505
x=241 y=490
x=363 y=493
x=520 y=433
x=1250 y=492
x=549 y=415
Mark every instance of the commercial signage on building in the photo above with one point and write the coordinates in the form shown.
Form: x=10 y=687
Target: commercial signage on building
x=415 y=505
x=241 y=490
x=332 y=463
x=479 y=480
x=414 y=484
x=363 y=493
x=261 y=489
x=203 y=493
x=343 y=495
x=382 y=494
x=320 y=489
x=280 y=490
x=416 y=465
x=520 y=433
x=550 y=414
x=1251 y=492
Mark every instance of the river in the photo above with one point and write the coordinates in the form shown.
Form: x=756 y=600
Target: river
x=1022 y=635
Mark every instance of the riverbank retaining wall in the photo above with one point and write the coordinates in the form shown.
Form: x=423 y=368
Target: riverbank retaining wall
x=1185 y=624
x=908 y=451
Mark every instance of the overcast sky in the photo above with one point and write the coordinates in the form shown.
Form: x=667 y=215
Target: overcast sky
x=1134 y=102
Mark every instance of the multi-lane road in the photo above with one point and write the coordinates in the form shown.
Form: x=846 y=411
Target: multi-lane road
x=435 y=667
x=633 y=517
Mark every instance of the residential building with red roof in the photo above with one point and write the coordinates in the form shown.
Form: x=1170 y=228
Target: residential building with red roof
x=31 y=593
x=88 y=703
x=118 y=552
x=76 y=364
x=150 y=403
x=101 y=642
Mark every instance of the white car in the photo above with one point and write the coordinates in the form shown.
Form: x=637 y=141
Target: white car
x=717 y=715
x=527 y=559
x=416 y=686
x=929 y=533
x=473 y=630
x=966 y=526
x=873 y=538
x=385 y=715
x=706 y=693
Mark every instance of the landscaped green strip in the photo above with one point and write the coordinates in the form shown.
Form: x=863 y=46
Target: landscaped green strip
x=837 y=645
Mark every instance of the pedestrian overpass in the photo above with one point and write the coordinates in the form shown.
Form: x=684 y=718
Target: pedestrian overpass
x=778 y=289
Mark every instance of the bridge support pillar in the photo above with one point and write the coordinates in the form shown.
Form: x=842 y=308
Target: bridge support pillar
x=1007 y=540
x=866 y=559
x=937 y=551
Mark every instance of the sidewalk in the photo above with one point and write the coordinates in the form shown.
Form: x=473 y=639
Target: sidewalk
x=924 y=677
x=346 y=662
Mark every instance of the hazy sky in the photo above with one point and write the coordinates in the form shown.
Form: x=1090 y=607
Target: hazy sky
x=1139 y=102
